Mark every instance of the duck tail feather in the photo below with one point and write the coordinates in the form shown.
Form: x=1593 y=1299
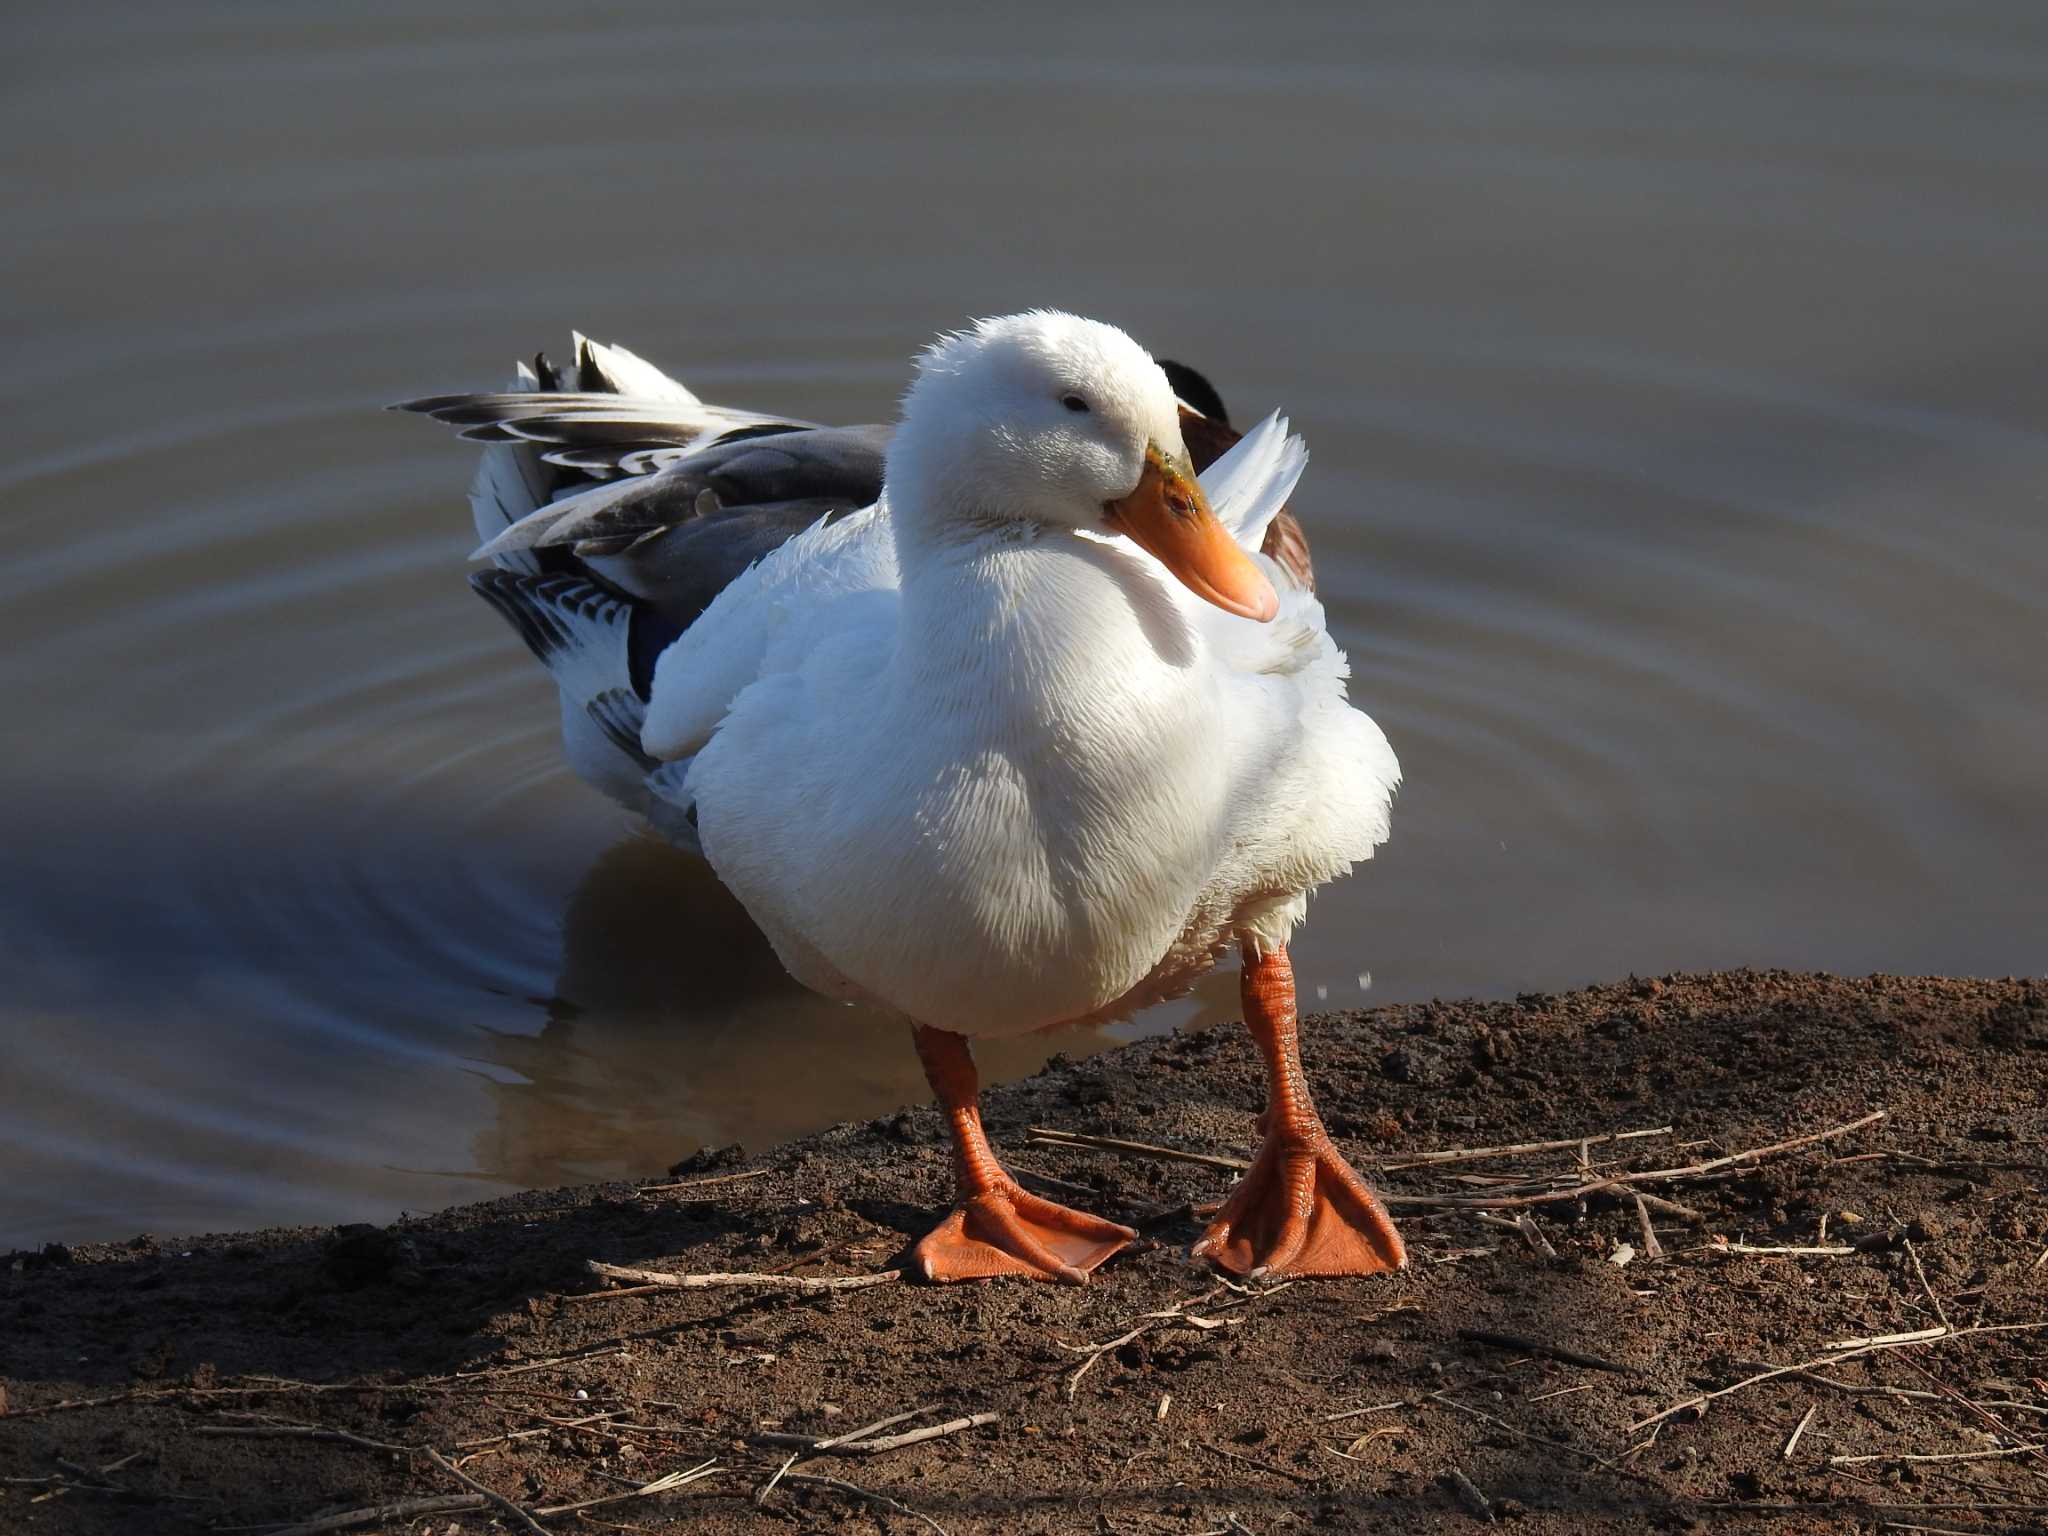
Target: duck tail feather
x=510 y=483
x=614 y=370
x=578 y=630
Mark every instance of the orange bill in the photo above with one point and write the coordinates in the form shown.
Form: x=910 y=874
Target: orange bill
x=1169 y=517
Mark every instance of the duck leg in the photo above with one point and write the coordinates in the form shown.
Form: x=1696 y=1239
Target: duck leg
x=1300 y=1209
x=997 y=1227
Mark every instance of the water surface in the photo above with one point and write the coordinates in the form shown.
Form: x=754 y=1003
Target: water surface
x=1675 y=381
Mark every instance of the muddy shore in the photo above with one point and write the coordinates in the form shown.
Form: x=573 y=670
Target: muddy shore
x=1517 y=1376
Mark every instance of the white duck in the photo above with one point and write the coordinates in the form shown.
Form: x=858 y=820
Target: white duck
x=1028 y=742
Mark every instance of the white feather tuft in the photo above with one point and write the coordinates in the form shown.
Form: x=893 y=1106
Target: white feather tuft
x=1249 y=485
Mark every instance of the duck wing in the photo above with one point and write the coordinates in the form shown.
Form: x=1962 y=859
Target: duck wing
x=676 y=536
x=611 y=470
x=614 y=507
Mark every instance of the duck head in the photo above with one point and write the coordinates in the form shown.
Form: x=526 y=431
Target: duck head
x=1049 y=418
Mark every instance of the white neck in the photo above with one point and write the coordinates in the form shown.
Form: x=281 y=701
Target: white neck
x=1004 y=614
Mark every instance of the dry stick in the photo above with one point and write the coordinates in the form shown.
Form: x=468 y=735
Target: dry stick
x=1044 y=1135
x=272 y=1386
x=1896 y=1342
x=666 y=1281
x=1528 y=1346
x=910 y=1436
x=1806 y=1506
x=1522 y=1434
x=1171 y=1314
x=1045 y=1178
x=837 y=1486
x=1263 y=1466
x=1535 y=1235
x=667 y=1484
x=810 y=1444
x=1939 y=1311
x=1476 y=1503
x=1623 y=1180
x=1074 y=1381
x=1477 y=1154
x=1651 y=1247
x=867 y=1429
x=723 y=1178
x=855 y=1445
x=614 y=1293
x=519 y=1516
x=304 y=1432
x=1863 y=1390
x=1672 y=1208
x=1792 y=1441
x=140 y=1395
x=1050 y=1137
x=385 y=1514
x=1353 y=1413
x=1953 y=1395
x=1830 y=1250
x=761 y=1493
x=2017 y=1450
x=574 y=1357
x=1911 y=1336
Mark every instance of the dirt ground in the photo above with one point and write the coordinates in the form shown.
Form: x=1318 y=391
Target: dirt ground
x=1509 y=1376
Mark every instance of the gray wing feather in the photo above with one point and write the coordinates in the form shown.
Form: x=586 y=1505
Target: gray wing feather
x=677 y=496
x=674 y=538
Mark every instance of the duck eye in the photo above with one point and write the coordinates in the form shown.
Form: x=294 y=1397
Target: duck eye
x=1074 y=402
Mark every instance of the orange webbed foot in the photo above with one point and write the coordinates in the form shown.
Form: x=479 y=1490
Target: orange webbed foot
x=1302 y=1210
x=1009 y=1231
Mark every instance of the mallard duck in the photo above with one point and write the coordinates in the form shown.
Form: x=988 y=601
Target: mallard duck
x=999 y=720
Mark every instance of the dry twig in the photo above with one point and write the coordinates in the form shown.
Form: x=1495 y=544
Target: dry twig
x=1353 y=1413
x=393 y=1515
x=1476 y=1503
x=1253 y=1461
x=519 y=1516
x=1651 y=1247
x=1534 y=1235
x=1177 y=1313
x=1528 y=1346
x=1842 y=1352
x=1940 y=1312
x=1518 y=1149
x=723 y=1178
x=273 y=1431
x=1049 y=1136
x=1792 y=1440
x=856 y=1444
x=667 y=1484
x=1625 y=1180
x=838 y=1486
x=1857 y=1461
x=1522 y=1434
x=666 y=1281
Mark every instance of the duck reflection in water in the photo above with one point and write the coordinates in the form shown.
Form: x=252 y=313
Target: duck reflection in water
x=664 y=1037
